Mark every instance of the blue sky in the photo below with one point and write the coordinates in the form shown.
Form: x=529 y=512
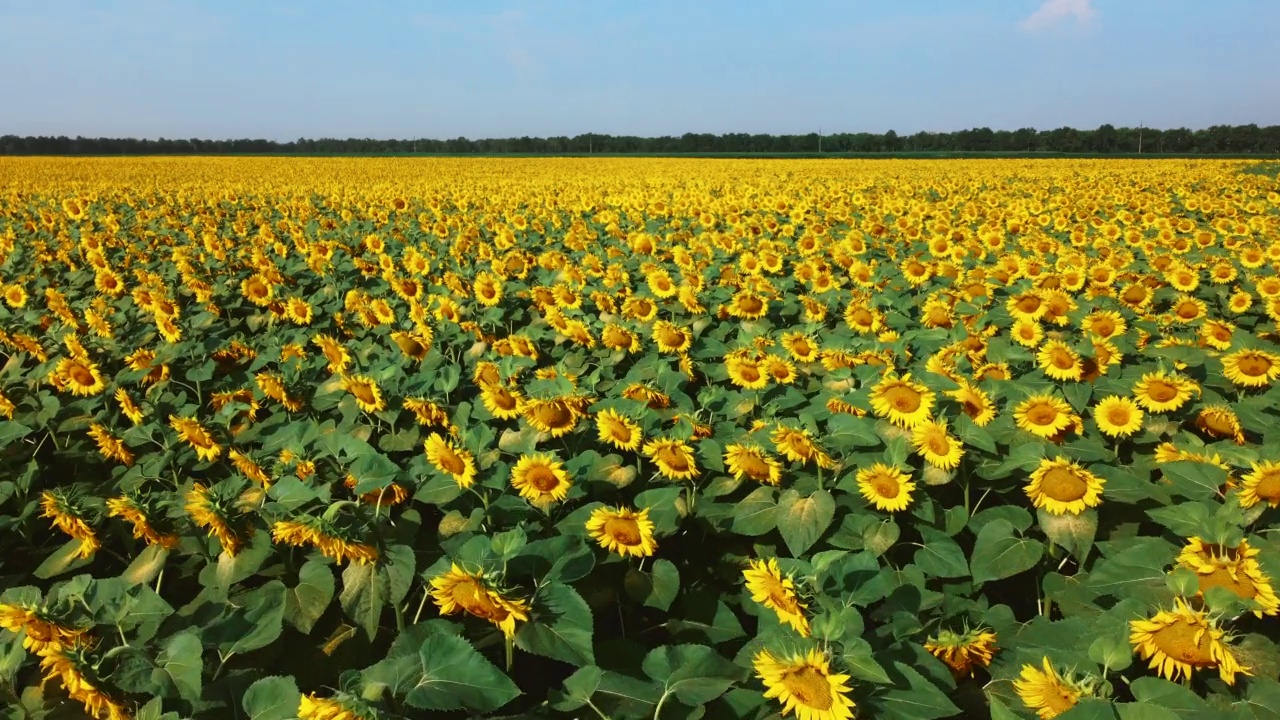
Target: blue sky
x=289 y=69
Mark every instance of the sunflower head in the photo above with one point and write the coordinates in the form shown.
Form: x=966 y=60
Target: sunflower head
x=804 y=684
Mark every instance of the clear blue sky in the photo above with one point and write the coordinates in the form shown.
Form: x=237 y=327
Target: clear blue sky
x=283 y=70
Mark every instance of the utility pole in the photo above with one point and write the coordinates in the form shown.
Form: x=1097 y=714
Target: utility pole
x=1139 y=138
x=819 y=139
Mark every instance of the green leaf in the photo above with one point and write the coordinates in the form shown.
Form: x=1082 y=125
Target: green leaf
x=255 y=623
x=940 y=556
x=364 y=594
x=656 y=588
x=757 y=514
x=846 y=432
x=1074 y=532
x=918 y=700
x=146 y=566
x=561 y=627
x=1194 y=480
x=180 y=665
x=1263 y=701
x=291 y=493
x=62 y=560
x=456 y=677
x=1090 y=709
x=1160 y=692
x=802 y=520
x=272 y=698
x=695 y=674
x=1143 y=711
x=858 y=658
x=998 y=553
x=307 y=601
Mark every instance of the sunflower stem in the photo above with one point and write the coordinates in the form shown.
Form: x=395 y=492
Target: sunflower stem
x=510 y=644
x=421 y=603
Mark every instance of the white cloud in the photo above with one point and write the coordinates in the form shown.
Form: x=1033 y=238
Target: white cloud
x=1053 y=12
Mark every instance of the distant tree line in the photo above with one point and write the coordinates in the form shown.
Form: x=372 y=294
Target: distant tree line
x=1219 y=139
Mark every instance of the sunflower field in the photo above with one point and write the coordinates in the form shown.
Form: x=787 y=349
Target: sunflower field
x=366 y=439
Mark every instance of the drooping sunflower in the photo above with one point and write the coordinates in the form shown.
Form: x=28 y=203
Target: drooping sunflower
x=1261 y=484
x=1251 y=368
x=427 y=413
x=456 y=462
x=365 y=390
x=210 y=512
x=1235 y=569
x=800 y=347
x=41 y=629
x=324 y=536
x=886 y=487
x=618 y=430
x=805 y=685
x=797 y=445
x=556 y=416
x=1060 y=362
x=752 y=461
x=194 y=434
x=769 y=587
x=80 y=375
x=70 y=518
x=1220 y=421
x=671 y=338
x=460 y=591
x=1180 y=641
x=1061 y=487
x=339 y=707
x=541 y=479
x=414 y=345
x=674 y=458
x=1160 y=391
x=1118 y=416
x=974 y=402
x=1047 y=692
x=654 y=399
x=334 y=352
x=1044 y=415
x=75 y=671
x=935 y=444
x=963 y=652
x=110 y=446
x=905 y=403
x=623 y=530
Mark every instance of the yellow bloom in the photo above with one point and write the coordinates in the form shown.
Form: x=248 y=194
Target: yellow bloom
x=209 y=513
x=1262 y=484
x=41 y=632
x=885 y=486
x=1162 y=392
x=805 y=685
x=1179 y=641
x=129 y=407
x=456 y=462
x=70 y=519
x=674 y=458
x=1118 y=416
x=752 y=461
x=903 y=402
x=366 y=392
x=1235 y=569
x=330 y=543
x=796 y=445
x=936 y=445
x=623 y=531
x=618 y=430
x=1061 y=487
x=1047 y=692
x=1044 y=415
x=194 y=434
x=459 y=591
x=770 y=588
x=80 y=375
x=130 y=510
x=541 y=479
x=963 y=652
x=110 y=446
x=71 y=668
x=1251 y=368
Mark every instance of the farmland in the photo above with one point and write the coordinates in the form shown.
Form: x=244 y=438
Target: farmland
x=638 y=438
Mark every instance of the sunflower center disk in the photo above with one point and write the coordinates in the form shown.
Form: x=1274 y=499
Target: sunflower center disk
x=810 y=687
x=1186 y=643
x=1063 y=485
x=451 y=463
x=1222 y=577
x=543 y=478
x=1161 y=391
x=1254 y=365
x=624 y=531
x=904 y=400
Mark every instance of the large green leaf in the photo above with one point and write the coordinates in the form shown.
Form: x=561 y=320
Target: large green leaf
x=757 y=513
x=271 y=698
x=999 y=553
x=561 y=627
x=695 y=674
x=180 y=666
x=940 y=556
x=802 y=520
x=456 y=677
x=308 y=600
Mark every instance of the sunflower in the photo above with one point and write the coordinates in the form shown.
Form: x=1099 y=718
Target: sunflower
x=1027 y=332
x=209 y=512
x=671 y=338
x=334 y=352
x=1047 y=692
x=780 y=369
x=1262 y=484
x=936 y=445
x=7 y=407
x=974 y=402
x=796 y=445
x=886 y=487
x=257 y=290
x=339 y=707
x=41 y=631
x=903 y=402
x=1220 y=421
x=770 y=588
x=365 y=391
x=1179 y=641
x=15 y=296
x=1044 y=415
x=456 y=462
x=555 y=416
x=194 y=434
x=800 y=347
x=1159 y=391
x=752 y=461
x=618 y=430
x=745 y=372
x=1060 y=362
x=68 y=517
x=623 y=530
x=413 y=345
x=1104 y=324
x=1027 y=306
x=654 y=399
x=1251 y=368
x=488 y=289
x=1118 y=416
x=80 y=375
x=298 y=311
x=247 y=467
x=71 y=667
x=674 y=458
x=805 y=685
x=1235 y=569
x=541 y=479
x=616 y=337
x=501 y=401
x=963 y=652
x=460 y=591
x=1061 y=487
x=323 y=536
x=110 y=446
x=748 y=305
